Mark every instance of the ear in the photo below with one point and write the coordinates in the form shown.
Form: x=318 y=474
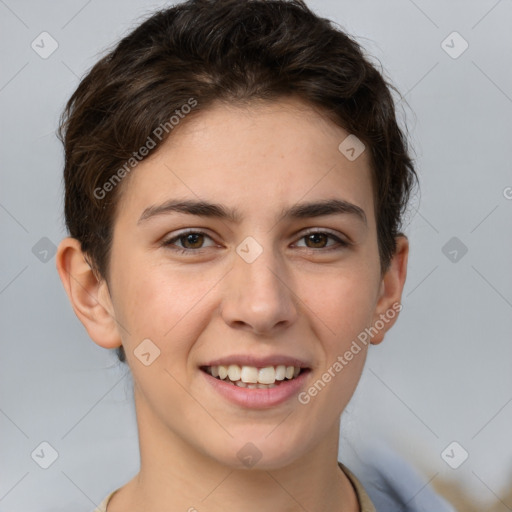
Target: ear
x=89 y=295
x=390 y=294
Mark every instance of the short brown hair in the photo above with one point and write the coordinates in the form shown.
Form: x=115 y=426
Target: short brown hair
x=223 y=50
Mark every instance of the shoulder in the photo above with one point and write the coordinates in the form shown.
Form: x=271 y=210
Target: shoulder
x=365 y=502
x=102 y=507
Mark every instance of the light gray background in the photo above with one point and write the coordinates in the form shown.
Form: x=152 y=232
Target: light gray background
x=443 y=373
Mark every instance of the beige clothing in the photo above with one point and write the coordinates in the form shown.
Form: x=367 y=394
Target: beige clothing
x=365 y=504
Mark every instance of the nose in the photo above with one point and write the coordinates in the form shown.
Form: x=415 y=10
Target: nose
x=258 y=296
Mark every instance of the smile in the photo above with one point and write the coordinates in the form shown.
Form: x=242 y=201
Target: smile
x=256 y=387
x=252 y=377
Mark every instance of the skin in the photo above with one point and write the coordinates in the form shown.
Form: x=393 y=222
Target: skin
x=297 y=298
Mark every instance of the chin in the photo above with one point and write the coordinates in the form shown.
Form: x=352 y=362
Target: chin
x=262 y=452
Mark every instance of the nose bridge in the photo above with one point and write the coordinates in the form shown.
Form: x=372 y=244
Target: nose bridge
x=257 y=295
x=260 y=268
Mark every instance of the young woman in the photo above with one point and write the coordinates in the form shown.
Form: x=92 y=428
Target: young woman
x=234 y=185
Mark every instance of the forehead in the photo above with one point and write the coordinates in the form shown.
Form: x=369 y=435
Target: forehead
x=254 y=157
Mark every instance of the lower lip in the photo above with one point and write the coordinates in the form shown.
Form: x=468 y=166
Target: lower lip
x=258 y=398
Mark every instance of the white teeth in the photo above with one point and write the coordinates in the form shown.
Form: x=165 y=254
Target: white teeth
x=223 y=372
x=249 y=374
x=280 y=372
x=252 y=377
x=267 y=375
x=234 y=372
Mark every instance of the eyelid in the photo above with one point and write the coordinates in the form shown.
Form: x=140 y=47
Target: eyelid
x=340 y=239
x=180 y=234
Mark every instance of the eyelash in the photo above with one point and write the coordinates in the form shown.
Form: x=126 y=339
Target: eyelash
x=190 y=252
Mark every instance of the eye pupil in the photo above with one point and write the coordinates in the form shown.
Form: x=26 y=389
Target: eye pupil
x=192 y=238
x=317 y=238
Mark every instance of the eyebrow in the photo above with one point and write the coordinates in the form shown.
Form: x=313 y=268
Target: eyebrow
x=214 y=210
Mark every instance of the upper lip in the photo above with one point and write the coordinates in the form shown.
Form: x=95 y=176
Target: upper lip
x=258 y=362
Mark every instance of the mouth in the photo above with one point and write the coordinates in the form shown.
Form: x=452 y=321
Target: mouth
x=252 y=377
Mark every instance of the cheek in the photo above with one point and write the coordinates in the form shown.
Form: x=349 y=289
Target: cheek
x=342 y=308
x=163 y=304
x=342 y=302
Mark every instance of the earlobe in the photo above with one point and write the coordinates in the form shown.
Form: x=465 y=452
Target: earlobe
x=390 y=294
x=88 y=295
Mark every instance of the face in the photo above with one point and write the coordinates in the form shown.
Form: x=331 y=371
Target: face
x=283 y=270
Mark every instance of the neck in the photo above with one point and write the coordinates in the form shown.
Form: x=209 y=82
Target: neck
x=175 y=476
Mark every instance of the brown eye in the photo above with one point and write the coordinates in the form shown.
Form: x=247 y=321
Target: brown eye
x=317 y=240
x=192 y=240
x=320 y=240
